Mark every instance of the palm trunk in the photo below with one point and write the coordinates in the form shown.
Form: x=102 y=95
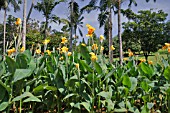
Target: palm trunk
x=4 y=46
x=30 y=11
x=110 y=36
x=24 y=24
x=71 y=25
x=119 y=33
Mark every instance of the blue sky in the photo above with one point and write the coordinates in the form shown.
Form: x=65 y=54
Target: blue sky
x=62 y=11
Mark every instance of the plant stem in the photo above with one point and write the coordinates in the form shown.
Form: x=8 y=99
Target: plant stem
x=20 y=106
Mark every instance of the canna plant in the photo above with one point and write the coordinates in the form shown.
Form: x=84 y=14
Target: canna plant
x=81 y=81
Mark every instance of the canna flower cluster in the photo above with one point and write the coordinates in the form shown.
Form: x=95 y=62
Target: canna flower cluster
x=18 y=21
x=94 y=47
x=101 y=38
x=130 y=53
x=48 y=52
x=112 y=48
x=64 y=40
x=90 y=30
x=22 y=49
x=10 y=51
x=167 y=46
x=93 y=56
x=38 y=51
x=46 y=41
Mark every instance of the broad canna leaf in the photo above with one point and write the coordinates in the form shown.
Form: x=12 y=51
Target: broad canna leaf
x=32 y=99
x=21 y=74
x=85 y=54
x=98 y=68
x=86 y=105
x=25 y=94
x=126 y=81
x=167 y=73
x=134 y=83
x=3 y=105
x=2 y=68
x=85 y=66
x=22 y=61
x=104 y=94
x=147 y=69
x=11 y=65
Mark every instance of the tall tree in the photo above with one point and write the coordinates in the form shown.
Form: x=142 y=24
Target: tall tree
x=46 y=7
x=24 y=24
x=4 y=5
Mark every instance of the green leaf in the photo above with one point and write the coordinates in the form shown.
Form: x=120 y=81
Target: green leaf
x=146 y=69
x=86 y=105
x=31 y=99
x=105 y=94
x=85 y=66
x=21 y=74
x=145 y=86
x=98 y=68
x=3 y=106
x=25 y=94
x=167 y=73
x=150 y=105
x=109 y=75
x=85 y=54
x=133 y=81
x=8 y=89
x=2 y=68
x=44 y=86
x=21 y=60
x=68 y=96
x=121 y=110
x=126 y=81
x=11 y=64
x=3 y=92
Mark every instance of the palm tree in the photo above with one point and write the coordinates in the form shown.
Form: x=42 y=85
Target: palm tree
x=30 y=11
x=4 y=5
x=46 y=7
x=24 y=24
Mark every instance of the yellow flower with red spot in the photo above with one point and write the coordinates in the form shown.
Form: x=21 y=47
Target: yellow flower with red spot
x=18 y=21
x=90 y=30
x=94 y=47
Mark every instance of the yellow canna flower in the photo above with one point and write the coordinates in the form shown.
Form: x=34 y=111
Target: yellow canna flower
x=93 y=56
x=125 y=59
x=167 y=44
x=46 y=41
x=91 y=53
x=101 y=38
x=38 y=51
x=83 y=44
x=101 y=48
x=142 y=60
x=10 y=51
x=164 y=47
x=130 y=53
x=48 y=51
x=77 y=65
x=69 y=54
x=168 y=49
x=112 y=48
x=150 y=62
x=90 y=30
x=64 y=49
x=22 y=49
x=94 y=47
x=61 y=58
x=64 y=40
x=18 y=21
